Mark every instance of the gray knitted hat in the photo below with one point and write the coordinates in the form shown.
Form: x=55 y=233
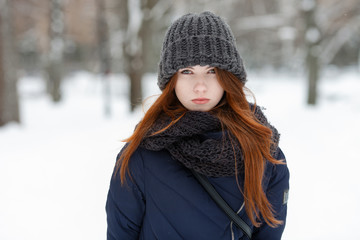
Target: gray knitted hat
x=199 y=39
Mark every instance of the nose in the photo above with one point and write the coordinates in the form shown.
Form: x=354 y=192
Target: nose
x=200 y=86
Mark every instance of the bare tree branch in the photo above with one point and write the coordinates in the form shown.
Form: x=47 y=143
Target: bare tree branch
x=160 y=8
x=332 y=46
x=261 y=22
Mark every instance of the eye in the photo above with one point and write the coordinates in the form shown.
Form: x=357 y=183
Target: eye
x=212 y=71
x=186 y=71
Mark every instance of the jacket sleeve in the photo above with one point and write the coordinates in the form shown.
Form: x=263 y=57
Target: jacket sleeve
x=277 y=194
x=125 y=205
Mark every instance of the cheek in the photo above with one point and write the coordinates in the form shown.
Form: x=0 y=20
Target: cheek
x=218 y=91
x=180 y=90
x=219 y=94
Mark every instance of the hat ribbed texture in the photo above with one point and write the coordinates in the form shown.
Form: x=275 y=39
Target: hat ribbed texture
x=199 y=39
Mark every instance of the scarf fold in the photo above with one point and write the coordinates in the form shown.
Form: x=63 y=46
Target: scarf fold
x=198 y=142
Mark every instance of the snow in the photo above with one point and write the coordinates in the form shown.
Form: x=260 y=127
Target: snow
x=308 y=5
x=312 y=35
x=55 y=167
x=287 y=33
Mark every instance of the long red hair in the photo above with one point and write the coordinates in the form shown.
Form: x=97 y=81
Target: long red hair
x=236 y=116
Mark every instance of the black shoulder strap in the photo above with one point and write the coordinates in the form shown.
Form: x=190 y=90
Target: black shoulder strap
x=222 y=204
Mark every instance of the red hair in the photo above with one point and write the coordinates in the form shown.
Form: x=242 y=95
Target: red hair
x=236 y=116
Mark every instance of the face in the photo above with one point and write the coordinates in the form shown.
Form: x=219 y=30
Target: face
x=198 y=88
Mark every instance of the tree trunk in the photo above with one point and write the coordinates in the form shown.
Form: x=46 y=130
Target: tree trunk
x=104 y=54
x=312 y=63
x=2 y=74
x=54 y=66
x=312 y=40
x=54 y=82
x=9 y=104
x=359 y=60
x=135 y=87
x=132 y=50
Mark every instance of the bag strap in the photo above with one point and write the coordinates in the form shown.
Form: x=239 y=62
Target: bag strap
x=222 y=204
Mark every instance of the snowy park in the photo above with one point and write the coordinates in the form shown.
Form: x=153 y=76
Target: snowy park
x=73 y=75
x=55 y=166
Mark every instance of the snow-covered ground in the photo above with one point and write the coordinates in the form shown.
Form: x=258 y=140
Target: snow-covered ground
x=55 y=167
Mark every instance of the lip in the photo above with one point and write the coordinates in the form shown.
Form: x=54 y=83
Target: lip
x=200 y=100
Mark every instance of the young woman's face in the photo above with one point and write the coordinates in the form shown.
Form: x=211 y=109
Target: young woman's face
x=197 y=88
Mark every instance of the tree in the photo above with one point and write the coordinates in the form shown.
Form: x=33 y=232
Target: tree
x=312 y=39
x=132 y=50
x=137 y=20
x=9 y=104
x=104 y=53
x=54 y=66
x=329 y=25
x=340 y=22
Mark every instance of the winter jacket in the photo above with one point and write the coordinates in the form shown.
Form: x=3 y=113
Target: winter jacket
x=162 y=200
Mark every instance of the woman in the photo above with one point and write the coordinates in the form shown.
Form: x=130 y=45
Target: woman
x=202 y=122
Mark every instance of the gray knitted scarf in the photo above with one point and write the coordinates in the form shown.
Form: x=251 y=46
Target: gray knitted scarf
x=198 y=142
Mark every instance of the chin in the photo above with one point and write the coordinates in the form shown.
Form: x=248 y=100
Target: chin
x=199 y=108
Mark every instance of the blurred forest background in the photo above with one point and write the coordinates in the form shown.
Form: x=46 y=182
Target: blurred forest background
x=53 y=38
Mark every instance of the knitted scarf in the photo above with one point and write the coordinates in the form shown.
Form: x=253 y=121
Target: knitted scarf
x=198 y=142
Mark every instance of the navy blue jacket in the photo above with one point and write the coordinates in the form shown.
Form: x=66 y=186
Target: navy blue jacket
x=164 y=201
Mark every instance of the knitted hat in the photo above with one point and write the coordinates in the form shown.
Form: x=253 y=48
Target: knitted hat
x=199 y=39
